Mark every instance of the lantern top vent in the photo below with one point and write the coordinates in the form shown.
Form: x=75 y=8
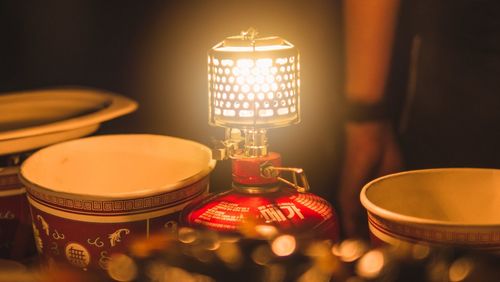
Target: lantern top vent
x=249 y=41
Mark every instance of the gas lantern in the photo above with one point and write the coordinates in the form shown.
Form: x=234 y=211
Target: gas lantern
x=254 y=85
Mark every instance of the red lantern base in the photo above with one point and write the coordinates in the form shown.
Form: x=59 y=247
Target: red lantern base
x=256 y=204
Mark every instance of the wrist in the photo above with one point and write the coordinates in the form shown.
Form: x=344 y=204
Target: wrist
x=360 y=111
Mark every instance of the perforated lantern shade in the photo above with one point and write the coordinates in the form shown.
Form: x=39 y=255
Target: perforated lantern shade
x=253 y=83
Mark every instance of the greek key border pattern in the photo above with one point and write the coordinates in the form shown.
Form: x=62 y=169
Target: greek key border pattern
x=120 y=206
x=432 y=235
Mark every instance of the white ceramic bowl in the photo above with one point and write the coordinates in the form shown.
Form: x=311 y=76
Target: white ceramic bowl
x=34 y=119
x=91 y=197
x=449 y=206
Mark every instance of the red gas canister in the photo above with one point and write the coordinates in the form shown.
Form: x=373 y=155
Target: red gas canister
x=261 y=203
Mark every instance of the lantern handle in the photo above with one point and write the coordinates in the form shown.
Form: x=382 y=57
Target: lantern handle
x=249 y=34
x=297 y=173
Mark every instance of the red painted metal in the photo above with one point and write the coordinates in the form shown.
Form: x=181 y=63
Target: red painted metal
x=246 y=171
x=255 y=201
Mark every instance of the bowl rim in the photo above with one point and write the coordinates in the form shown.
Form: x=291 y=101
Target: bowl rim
x=393 y=216
x=141 y=191
x=114 y=106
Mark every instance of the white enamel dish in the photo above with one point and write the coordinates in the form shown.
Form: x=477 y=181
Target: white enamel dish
x=34 y=119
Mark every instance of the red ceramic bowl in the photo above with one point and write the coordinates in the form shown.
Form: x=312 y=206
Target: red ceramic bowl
x=450 y=206
x=91 y=197
x=16 y=239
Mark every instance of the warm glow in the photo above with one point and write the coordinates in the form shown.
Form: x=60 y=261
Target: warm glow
x=122 y=268
x=283 y=245
x=371 y=264
x=187 y=235
x=230 y=254
x=253 y=78
x=460 y=269
x=237 y=70
x=349 y=250
x=420 y=251
x=266 y=231
x=262 y=255
x=264 y=63
x=227 y=62
x=252 y=49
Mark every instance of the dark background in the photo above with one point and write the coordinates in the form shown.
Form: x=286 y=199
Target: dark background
x=155 y=53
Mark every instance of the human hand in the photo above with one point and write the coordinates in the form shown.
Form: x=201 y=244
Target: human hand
x=371 y=150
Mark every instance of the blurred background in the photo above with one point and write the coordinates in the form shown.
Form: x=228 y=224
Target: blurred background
x=155 y=52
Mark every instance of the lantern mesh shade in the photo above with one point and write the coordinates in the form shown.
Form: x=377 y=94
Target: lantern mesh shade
x=254 y=87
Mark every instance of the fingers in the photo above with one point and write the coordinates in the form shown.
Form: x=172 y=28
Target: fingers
x=363 y=151
x=391 y=159
x=371 y=151
x=354 y=221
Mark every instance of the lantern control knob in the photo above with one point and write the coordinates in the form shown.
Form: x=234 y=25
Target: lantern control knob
x=270 y=171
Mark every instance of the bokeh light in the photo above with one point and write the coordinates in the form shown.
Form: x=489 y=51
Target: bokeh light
x=371 y=264
x=266 y=231
x=275 y=273
x=438 y=270
x=349 y=250
x=262 y=255
x=210 y=240
x=230 y=254
x=420 y=251
x=314 y=274
x=122 y=268
x=187 y=235
x=160 y=272
x=460 y=269
x=283 y=245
